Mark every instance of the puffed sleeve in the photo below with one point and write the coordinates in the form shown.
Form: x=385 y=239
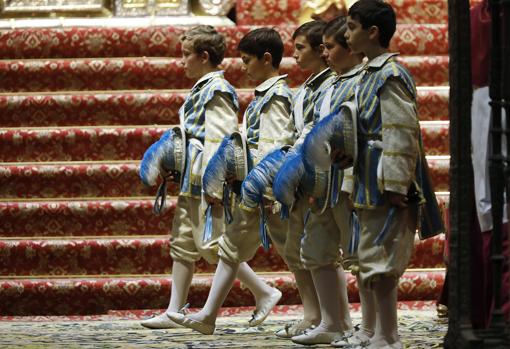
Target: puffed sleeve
x=400 y=138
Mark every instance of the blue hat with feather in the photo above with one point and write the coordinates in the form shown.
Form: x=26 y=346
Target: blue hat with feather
x=258 y=183
x=165 y=157
x=230 y=162
x=293 y=181
x=337 y=131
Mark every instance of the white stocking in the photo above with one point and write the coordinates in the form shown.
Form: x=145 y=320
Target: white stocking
x=182 y=273
x=345 y=315
x=327 y=284
x=306 y=288
x=255 y=284
x=368 y=310
x=222 y=283
x=385 y=290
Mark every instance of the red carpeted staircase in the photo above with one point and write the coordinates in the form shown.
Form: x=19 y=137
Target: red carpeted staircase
x=78 y=108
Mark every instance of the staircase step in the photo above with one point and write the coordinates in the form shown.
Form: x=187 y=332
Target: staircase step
x=143 y=107
x=94 y=217
x=128 y=142
x=140 y=255
x=164 y=41
x=99 y=179
x=269 y=12
x=96 y=295
x=81 y=217
x=161 y=73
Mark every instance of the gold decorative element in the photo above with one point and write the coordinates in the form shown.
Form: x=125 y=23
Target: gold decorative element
x=151 y=7
x=17 y=8
x=324 y=9
x=213 y=7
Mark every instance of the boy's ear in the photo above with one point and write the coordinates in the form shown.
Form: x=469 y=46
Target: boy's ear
x=321 y=48
x=204 y=56
x=268 y=58
x=373 y=33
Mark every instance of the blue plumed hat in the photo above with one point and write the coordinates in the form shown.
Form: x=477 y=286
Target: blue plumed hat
x=258 y=183
x=335 y=131
x=166 y=156
x=231 y=161
x=294 y=180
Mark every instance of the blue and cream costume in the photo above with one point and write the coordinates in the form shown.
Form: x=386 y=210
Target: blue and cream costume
x=390 y=159
x=323 y=232
x=267 y=126
x=208 y=114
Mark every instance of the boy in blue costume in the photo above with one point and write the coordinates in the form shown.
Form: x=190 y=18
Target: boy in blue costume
x=325 y=229
x=385 y=185
x=266 y=126
x=207 y=115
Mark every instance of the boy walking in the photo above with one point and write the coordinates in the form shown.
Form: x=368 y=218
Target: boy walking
x=267 y=128
x=207 y=115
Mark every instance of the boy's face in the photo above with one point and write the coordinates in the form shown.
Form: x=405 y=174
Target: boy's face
x=335 y=54
x=304 y=54
x=357 y=38
x=191 y=61
x=253 y=66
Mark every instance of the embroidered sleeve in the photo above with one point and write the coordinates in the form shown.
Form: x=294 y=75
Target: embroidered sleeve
x=400 y=132
x=276 y=127
x=220 y=121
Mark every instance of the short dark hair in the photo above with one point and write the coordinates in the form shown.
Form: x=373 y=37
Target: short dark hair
x=337 y=28
x=312 y=31
x=375 y=13
x=262 y=40
x=206 y=38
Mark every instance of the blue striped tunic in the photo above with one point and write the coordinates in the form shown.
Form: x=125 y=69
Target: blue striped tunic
x=192 y=114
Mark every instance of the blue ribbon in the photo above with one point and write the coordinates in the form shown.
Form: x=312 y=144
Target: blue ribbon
x=306 y=217
x=379 y=240
x=229 y=218
x=208 y=227
x=284 y=212
x=159 y=203
x=335 y=193
x=355 y=233
x=263 y=228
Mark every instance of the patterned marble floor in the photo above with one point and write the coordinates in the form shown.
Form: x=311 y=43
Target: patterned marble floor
x=419 y=329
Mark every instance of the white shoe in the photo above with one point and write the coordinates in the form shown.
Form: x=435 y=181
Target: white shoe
x=161 y=321
x=186 y=321
x=263 y=310
x=294 y=329
x=311 y=337
x=352 y=339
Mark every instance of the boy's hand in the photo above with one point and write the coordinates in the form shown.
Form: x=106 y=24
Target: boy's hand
x=397 y=199
x=212 y=200
x=340 y=158
x=344 y=196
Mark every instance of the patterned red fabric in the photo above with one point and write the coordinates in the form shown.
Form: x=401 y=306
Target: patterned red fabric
x=143 y=107
x=160 y=73
x=126 y=143
x=89 y=42
x=81 y=296
x=269 y=12
x=128 y=216
x=112 y=180
x=73 y=180
x=107 y=217
x=139 y=255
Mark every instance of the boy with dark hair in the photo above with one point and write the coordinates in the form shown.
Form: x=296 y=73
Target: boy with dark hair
x=384 y=175
x=207 y=115
x=266 y=126
x=326 y=228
